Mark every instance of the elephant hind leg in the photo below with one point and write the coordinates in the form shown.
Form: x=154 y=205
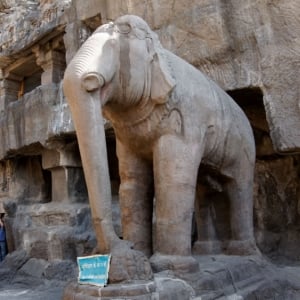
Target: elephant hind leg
x=240 y=193
x=136 y=202
x=207 y=240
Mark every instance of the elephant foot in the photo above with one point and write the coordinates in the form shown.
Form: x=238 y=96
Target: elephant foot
x=128 y=264
x=207 y=247
x=243 y=247
x=178 y=264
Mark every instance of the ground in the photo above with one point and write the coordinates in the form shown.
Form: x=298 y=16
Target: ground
x=220 y=277
x=27 y=278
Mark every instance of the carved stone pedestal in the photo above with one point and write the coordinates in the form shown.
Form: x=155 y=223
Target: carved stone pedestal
x=220 y=277
x=141 y=290
x=159 y=288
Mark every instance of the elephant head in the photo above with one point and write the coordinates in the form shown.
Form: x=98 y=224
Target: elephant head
x=113 y=69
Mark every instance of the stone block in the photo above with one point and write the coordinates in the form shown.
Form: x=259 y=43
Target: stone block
x=61 y=270
x=35 y=267
x=35 y=242
x=30 y=183
x=54 y=230
x=68 y=185
x=50 y=159
x=88 y=9
x=39 y=115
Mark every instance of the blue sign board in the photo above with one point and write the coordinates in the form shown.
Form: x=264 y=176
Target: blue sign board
x=93 y=269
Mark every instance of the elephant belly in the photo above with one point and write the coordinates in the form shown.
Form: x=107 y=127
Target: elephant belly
x=142 y=146
x=228 y=148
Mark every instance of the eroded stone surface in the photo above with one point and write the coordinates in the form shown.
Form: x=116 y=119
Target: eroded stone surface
x=238 y=45
x=38 y=116
x=34 y=279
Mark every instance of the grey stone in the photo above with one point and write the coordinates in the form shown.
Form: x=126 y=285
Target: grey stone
x=220 y=277
x=65 y=270
x=21 y=125
x=35 y=267
x=173 y=289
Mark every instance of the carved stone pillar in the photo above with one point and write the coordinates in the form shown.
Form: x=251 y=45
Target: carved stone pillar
x=9 y=89
x=67 y=177
x=52 y=62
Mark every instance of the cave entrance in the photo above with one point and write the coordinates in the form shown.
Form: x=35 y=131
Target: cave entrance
x=30 y=75
x=276 y=185
x=23 y=76
x=251 y=102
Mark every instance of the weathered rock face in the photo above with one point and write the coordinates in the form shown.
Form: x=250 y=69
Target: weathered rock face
x=277 y=206
x=38 y=116
x=26 y=20
x=239 y=45
x=250 y=48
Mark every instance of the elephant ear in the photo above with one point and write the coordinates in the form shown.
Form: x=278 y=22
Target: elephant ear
x=162 y=82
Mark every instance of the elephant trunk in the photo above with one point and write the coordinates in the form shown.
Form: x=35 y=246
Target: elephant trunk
x=82 y=81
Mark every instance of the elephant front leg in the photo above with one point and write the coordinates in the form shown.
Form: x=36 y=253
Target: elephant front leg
x=136 y=199
x=175 y=172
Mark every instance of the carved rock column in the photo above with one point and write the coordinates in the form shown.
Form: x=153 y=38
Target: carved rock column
x=52 y=62
x=9 y=89
x=67 y=177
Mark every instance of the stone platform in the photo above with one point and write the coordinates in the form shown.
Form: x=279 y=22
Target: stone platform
x=220 y=277
x=159 y=288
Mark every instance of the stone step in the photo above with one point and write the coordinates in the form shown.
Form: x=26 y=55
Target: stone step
x=53 y=231
x=49 y=243
x=52 y=214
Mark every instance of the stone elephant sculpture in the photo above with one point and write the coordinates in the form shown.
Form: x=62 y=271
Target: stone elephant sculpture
x=169 y=120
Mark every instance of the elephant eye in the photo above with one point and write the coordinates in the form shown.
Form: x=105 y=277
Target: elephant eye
x=124 y=28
